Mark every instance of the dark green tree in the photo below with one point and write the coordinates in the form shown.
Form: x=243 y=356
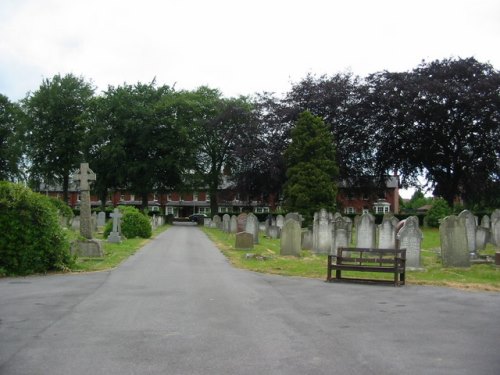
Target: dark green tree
x=311 y=168
x=10 y=142
x=219 y=126
x=441 y=120
x=135 y=142
x=54 y=129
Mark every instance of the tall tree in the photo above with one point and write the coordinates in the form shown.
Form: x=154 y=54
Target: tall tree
x=54 y=129
x=311 y=167
x=135 y=142
x=219 y=125
x=442 y=120
x=10 y=145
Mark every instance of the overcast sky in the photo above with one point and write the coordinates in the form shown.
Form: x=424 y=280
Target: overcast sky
x=240 y=47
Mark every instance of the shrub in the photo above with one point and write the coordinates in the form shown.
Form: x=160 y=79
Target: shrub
x=133 y=223
x=31 y=240
x=439 y=210
x=65 y=211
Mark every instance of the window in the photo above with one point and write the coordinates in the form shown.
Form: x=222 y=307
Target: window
x=154 y=208
x=132 y=197
x=223 y=210
x=169 y=197
x=195 y=197
x=207 y=197
x=261 y=210
x=204 y=210
x=122 y=197
x=350 y=210
x=170 y=211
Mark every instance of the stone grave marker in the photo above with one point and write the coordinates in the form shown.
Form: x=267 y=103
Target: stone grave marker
x=88 y=247
x=387 y=234
x=233 y=224
x=307 y=239
x=495 y=227
x=291 y=238
x=274 y=232
x=323 y=233
x=252 y=226
x=101 y=219
x=340 y=236
x=244 y=241
x=410 y=238
x=482 y=236
x=280 y=221
x=454 y=247
x=470 y=230
x=115 y=234
x=365 y=231
x=241 y=221
x=226 y=223
x=217 y=221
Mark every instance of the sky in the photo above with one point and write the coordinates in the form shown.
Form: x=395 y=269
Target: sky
x=239 y=47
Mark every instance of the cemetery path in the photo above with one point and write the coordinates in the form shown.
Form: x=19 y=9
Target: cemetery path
x=178 y=307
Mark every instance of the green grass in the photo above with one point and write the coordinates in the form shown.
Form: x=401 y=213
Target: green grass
x=114 y=253
x=266 y=259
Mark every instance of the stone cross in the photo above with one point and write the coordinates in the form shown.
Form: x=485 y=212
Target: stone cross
x=115 y=236
x=85 y=175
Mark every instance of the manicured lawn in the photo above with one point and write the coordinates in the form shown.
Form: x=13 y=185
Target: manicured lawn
x=266 y=259
x=114 y=253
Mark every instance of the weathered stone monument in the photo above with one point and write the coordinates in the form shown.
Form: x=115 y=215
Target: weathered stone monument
x=387 y=234
x=243 y=240
x=89 y=247
x=322 y=233
x=340 y=234
x=290 y=243
x=470 y=230
x=101 y=219
x=226 y=223
x=495 y=227
x=233 y=225
x=307 y=239
x=217 y=221
x=410 y=238
x=241 y=222
x=252 y=226
x=454 y=247
x=115 y=234
x=365 y=231
x=280 y=221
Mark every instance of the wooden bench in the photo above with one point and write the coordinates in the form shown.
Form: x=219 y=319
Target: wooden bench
x=368 y=260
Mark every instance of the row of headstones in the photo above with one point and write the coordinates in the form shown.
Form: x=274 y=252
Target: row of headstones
x=246 y=228
x=331 y=231
x=462 y=237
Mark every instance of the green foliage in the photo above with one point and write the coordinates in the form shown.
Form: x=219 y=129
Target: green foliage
x=134 y=223
x=10 y=145
x=31 y=240
x=311 y=168
x=439 y=210
x=63 y=209
x=54 y=129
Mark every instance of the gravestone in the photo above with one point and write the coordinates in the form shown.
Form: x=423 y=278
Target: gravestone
x=470 y=230
x=307 y=239
x=233 y=224
x=485 y=222
x=241 y=221
x=410 y=238
x=226 y=223
x=482 y=235
x=244 y=240
x=207 y=222
x=93 y=220
x=454 y=247
x=217 y=221
x=340 y=237
x=115 y=234
x=101 y=219
x=280 y=221
x=323 y=233
x=495 y=227
x=295 y=216
x=387 y=234
x=291 y=238
x=274 y=232
x=348 y=222
x=84 y=176
x=87 y=247
x=75 y=224
x=252 y=226
x=365 y=231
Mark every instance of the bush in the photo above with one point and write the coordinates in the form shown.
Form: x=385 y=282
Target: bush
x=65 y=211
x=133 y=223
x=439 y=211
x=31 y=240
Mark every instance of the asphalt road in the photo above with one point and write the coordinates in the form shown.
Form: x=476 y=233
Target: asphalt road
x=178 y=307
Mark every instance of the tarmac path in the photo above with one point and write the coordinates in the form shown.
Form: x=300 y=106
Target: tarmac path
x=178 y=307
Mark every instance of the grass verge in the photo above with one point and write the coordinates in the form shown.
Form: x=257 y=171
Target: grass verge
x=114 y=253
x=265 y=258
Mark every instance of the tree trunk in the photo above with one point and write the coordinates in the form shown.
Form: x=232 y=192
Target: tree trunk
x=66 y=188
x=103 y=198
x=144 y=204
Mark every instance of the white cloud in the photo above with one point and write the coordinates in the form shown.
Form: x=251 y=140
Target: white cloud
x=238 y=47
